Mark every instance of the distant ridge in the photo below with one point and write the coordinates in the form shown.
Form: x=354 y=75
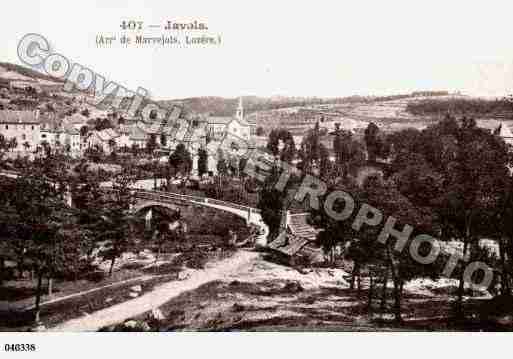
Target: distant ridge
x=25 y=71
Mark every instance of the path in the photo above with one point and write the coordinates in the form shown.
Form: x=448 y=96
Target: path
x=143 y=278
x=160 y=295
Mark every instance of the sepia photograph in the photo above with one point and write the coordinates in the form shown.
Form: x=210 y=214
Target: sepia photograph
x=279 y=168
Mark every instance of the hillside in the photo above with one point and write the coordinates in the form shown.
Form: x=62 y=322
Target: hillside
x=25 y=71
x=220 y=106
x=295 y=113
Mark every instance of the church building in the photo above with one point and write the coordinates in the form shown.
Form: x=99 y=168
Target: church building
x=219 y=126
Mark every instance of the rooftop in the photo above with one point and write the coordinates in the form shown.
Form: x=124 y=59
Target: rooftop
x=23 y=117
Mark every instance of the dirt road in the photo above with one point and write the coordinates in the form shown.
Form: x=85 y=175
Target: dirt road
x=163 y=293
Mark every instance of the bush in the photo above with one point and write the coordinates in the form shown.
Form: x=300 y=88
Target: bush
x=195 y=259
x=96 y=276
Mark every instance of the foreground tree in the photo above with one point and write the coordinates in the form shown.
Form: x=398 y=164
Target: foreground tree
x=349 y=153
x=376 y=144
x=222 y=166
x=119 y=220
x=460 y=172
x=311 y=151
x=202 y=162
x=151 y=143
x=36 y=214
x=181 y=160
x=281 y=145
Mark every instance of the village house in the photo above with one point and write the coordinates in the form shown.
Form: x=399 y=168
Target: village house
x=60 y=135
x=123 y=141
x=71 y=141
x=105 y=140
x=24 y=126
x=50 y=131
x=137 y=137
x=50 y=86
x=153 y=128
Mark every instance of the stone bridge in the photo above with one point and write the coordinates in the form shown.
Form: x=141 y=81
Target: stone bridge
x=145 y=199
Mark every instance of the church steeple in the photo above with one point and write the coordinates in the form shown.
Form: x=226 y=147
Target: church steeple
x=240 y=110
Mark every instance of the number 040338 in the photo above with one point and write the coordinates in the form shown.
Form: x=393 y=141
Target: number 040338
x=19 y=347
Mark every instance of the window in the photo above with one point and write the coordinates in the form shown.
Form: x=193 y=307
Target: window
x=6 y=127
x=24 y=137
x=32 y=128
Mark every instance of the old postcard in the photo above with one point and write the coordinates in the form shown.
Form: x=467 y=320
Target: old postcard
x=255 y=166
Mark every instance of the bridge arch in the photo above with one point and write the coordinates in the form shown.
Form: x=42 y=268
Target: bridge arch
x=149 y=204
x=148 y=199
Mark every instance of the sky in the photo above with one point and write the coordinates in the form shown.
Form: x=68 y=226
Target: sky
x=289 y=48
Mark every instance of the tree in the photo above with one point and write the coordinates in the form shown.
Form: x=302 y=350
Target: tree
x=349 y=153
x=222 y=167
x=119 y=220
x=310 y=151
x=202 y=162
x=480 y=165
x=3 y=143
x=36 y=221
x=13 y=143
x=94 y=154
x=460 y=172
x=112 y=144
x=181 y=160
x=102 y=124
x=151 y=143
x=84 y=130
x=163 y=140
x=281 y=144
x=3 y=148
x=243 y=161
x=336 y=233
x=372 y=141
x=233 y=165
x=385 y=196
x=88 y=201
x=272 y=203
x=169 y=229
x=135 y=149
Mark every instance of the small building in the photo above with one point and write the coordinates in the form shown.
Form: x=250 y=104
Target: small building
x=124 y=141
x=23 y=126
x=137 y=137
x=71 y=141
x=296 y=243
x=106 y=140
